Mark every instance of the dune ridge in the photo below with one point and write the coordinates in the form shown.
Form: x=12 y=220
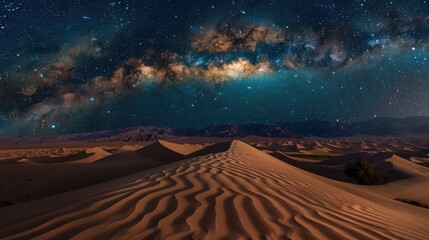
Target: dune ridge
x=167 y=151
x=240 y=193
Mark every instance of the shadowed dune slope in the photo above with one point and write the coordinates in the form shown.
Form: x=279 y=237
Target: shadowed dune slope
x=62 y=159
x=162 y=150
x=98 y=153
x=183 y=149
x=240 y=193
x=211 y=149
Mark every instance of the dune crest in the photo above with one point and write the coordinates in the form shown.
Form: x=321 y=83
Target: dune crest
x=183 y=149
x=167 y=151
x=97 y=154
x=239 y=193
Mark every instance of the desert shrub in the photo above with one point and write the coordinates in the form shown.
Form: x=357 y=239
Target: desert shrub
x=361 y=172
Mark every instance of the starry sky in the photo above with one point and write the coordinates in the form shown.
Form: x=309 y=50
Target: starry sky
x=77 y=66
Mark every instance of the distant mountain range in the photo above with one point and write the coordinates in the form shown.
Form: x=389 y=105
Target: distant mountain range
x=411 y=126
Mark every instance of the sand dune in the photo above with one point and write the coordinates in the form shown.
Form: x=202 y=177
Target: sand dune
x=183 y=149
x=97 y=153
x=238 y=193
x=35 y=173
x=129 y=148
x=162 y=150
x=61 y=159
x=407 y=166
x=395 y=166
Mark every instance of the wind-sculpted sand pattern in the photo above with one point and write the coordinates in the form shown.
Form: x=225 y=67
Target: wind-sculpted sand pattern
x=242 y=193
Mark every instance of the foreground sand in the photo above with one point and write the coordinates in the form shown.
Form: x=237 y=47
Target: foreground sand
x=228 y=191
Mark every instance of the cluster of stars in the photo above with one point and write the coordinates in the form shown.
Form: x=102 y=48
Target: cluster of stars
x=69 y=66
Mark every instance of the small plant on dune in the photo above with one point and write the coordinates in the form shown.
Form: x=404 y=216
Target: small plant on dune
x=362 y=172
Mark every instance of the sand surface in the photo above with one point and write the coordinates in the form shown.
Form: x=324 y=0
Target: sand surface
x=230 y=191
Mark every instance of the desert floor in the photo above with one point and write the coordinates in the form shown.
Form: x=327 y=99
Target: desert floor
x=204 y=188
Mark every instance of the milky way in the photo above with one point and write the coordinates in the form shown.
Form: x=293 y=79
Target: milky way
x=75 y=66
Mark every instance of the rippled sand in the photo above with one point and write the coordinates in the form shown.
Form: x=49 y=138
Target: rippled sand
x=239 y=192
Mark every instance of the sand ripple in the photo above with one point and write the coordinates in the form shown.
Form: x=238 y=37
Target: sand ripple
x=242 y=193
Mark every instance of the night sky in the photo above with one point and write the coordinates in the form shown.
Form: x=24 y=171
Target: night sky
x=77 y=65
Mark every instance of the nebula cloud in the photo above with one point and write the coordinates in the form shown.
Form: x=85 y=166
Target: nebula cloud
x=138 y=56
x=234 y=37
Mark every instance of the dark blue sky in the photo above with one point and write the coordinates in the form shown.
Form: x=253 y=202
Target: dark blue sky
x=75 y=66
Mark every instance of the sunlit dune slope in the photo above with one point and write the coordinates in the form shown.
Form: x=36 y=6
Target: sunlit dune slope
x=240 y=193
